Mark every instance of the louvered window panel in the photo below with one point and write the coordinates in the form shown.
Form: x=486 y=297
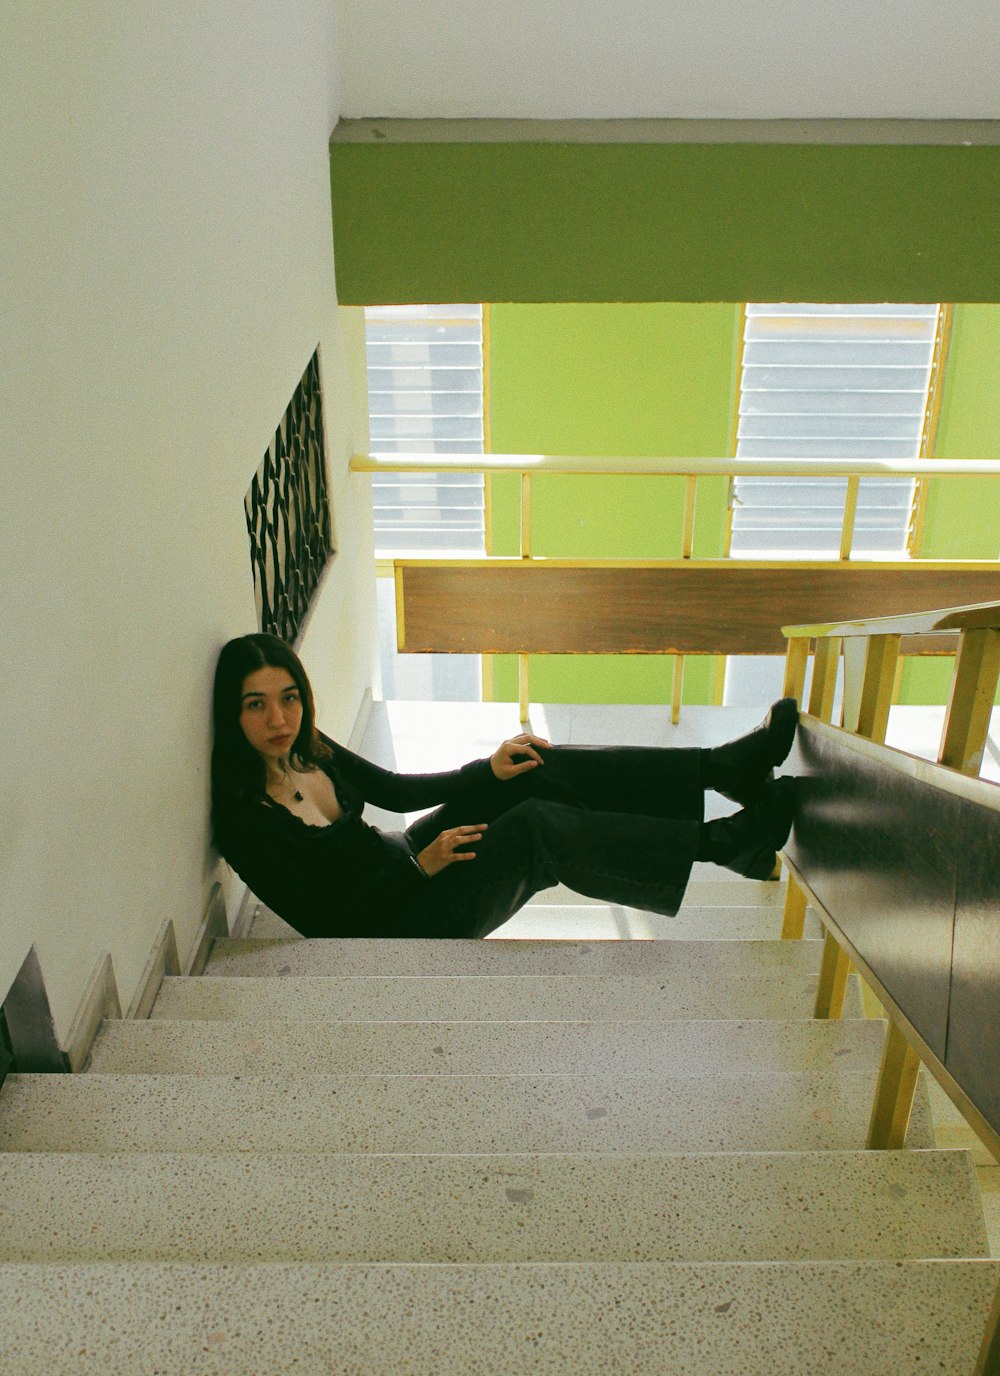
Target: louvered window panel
x=830 y=381
x=425 y=395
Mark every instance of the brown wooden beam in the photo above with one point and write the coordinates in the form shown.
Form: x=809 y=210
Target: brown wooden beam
x=686 y=606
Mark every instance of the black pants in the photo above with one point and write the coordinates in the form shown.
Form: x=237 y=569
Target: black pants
x=616 y=823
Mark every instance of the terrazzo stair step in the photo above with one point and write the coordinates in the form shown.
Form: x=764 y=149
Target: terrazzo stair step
x=502 y=998
x=701 y=894
x=808 y=1111
x=727 y=890
x=225 y=1208
x=412 y=956
x=168 y=1046
x=608 y=922
x=652 y=1319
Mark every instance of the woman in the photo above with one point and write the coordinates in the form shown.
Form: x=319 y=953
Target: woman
x=622 y=824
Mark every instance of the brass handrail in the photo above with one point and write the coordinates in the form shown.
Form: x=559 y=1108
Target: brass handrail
x=649 y=466
x=975 y=616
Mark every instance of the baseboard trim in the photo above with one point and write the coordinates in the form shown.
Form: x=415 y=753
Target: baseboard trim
x=162 y=961
x=361 y=722
x=245 y=915
x=101 y=998
x=213 y=925
x=100 y=1001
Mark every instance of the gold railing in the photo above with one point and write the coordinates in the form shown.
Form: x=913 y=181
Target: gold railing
x=528 y=466
x=870 y=650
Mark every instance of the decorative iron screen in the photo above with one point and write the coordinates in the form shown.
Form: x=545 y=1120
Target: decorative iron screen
x=288 y=513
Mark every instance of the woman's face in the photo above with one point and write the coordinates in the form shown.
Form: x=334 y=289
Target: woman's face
x=270 y=711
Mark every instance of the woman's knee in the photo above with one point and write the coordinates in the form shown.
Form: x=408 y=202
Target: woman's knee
x=529 y=814
x=538 y=820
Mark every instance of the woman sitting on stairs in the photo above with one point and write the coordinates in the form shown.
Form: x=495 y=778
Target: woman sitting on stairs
x=623 y=824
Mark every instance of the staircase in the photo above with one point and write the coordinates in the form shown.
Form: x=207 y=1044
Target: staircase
x=487 y=1157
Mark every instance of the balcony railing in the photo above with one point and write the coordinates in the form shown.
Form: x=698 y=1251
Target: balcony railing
x=529 y=604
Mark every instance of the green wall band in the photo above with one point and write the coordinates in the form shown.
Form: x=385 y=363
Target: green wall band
x=423 y=222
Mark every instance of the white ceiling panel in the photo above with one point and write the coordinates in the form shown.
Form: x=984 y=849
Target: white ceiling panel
x=694 y=59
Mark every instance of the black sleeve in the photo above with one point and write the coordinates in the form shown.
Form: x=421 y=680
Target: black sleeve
x=407 y=792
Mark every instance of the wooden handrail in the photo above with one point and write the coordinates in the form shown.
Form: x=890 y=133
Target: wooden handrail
x=893 y=853
x=669 y=606
x=871 y=650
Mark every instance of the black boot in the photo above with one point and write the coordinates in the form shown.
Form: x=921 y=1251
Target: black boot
x=741 y=768
x=748 y=841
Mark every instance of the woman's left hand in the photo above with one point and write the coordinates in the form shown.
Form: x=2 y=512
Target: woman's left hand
x=503 y=762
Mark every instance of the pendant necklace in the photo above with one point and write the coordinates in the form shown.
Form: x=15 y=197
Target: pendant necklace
x=285 y=780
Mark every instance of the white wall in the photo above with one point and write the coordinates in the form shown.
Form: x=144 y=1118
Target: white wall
x=340 y=633
x=167 y=272
x=755 y=59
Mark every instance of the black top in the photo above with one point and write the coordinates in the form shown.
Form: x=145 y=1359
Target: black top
x=347 y=878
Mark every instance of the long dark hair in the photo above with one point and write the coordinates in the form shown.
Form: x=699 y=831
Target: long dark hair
x=237 y=770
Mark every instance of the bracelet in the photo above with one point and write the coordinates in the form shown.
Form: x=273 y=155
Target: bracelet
x=419 y=866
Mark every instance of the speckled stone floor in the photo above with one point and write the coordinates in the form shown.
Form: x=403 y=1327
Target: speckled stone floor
x=521 y=958
x=609 y=922
x=504 y=998
x=814 y=1111
x=175 y=1046
x=640 y=1319
x=473 y=1208
x=498 y=1157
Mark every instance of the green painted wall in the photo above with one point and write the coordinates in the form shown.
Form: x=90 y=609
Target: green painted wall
x=653 y=379
x=660 y=379
x=503 y=221
x=963 y=515
x=518 y=222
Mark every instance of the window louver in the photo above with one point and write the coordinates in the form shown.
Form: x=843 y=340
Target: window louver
x=830 y=381
x=425 y=395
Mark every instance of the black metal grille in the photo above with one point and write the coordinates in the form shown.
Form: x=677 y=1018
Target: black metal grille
x=288 y=513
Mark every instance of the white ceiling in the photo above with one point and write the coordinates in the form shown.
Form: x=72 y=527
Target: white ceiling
x=698 y=59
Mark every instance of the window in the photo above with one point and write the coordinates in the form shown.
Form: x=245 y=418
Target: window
x=831 y=381
x=425 y=395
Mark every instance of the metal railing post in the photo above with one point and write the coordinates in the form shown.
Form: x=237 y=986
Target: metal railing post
x=524 y=538
x=826 y=662
x=876 y=690
x=973 y=689
x=687 y=548
x=832 y=987
x=897 y=1083
x=796 y=663
x=850 y=512
x=793 y=922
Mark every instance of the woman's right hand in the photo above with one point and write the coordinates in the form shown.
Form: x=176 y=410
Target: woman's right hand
x=441 y=852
